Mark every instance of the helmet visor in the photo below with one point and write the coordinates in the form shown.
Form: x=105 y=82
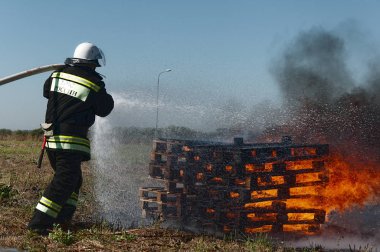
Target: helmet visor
x=101 y=58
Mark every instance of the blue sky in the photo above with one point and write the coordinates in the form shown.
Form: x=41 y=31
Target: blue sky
x=218 y=50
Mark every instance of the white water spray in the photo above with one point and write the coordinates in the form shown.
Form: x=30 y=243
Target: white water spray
x=117 y=176
x=120 y=167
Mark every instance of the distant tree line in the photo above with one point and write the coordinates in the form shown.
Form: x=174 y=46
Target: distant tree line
x=146 y=135
x=20 y=134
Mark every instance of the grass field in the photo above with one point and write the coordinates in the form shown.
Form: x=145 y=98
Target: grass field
x=22 y=184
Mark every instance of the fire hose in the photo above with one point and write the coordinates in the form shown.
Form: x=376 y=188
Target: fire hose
x=27 y=73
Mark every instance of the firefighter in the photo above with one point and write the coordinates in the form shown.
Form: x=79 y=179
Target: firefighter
x=75 y=93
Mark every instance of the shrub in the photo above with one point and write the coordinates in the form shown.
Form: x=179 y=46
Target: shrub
x=6 y=192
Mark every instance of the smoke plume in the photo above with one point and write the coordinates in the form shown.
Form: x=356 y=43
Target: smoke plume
x=322 y=99
x=323 y=104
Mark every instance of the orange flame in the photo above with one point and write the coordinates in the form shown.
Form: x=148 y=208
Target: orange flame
x=249 y=168
x=228 y=168
x=217 y=179
x=234 y=195
x=304 y=228
x=210 y=210
x=264 y=204
x=263 y=229
x=298 y=165
x=240 y=182
x=264 y=194
x=300 y=216
x=350 y=184
x=262 y=217
x=274 y=153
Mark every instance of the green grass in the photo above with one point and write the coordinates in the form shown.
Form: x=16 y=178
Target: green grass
x=65 y=237
x=124 y=236
x=19 y=149
x=260 y=242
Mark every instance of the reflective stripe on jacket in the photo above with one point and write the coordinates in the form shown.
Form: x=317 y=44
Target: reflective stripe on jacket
x=72 y=85
x=61 y=142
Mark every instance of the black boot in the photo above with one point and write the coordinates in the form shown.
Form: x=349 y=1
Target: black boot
x=41 y=223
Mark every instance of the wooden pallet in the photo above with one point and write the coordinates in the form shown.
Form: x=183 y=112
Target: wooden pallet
x=237 y=187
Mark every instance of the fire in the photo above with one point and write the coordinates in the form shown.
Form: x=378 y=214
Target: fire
x=234 y=195
x=262 y=217
x=228 y=168
x=281 y=188
x=350 y=183
x=268 y=166
x=263 y=229
x=312 y=202
x=264 y=204
x=305 y=191
x=300 y=216
x=304 y=228
x=274 y=180
x=210 y=210
x=308 y=177
x=217 y=179
x=298 y=165
x=249 y=168
x=264 y=194
x=274 y=153
x=240 y=182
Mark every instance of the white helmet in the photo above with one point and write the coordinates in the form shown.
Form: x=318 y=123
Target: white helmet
x=88 y=54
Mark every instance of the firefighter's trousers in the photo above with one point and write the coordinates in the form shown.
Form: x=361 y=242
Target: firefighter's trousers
x=58 y=203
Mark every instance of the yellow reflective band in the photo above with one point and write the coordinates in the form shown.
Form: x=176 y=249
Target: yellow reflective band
x=61 y=142
x=68 y=146
x=50 y=204
x=69 y=139
x=47 y=210
x=76 y=79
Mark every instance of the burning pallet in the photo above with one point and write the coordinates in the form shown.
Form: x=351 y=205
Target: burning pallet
x=238 y=187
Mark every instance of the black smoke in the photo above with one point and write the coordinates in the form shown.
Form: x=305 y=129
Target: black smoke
x=322 y=100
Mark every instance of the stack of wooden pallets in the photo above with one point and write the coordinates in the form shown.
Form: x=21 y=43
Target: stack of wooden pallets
x=269 y=187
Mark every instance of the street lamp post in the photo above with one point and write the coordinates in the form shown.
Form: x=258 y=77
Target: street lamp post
x=158 y=90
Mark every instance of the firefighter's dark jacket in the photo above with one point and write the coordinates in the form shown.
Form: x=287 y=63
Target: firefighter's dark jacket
x=70 y=115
